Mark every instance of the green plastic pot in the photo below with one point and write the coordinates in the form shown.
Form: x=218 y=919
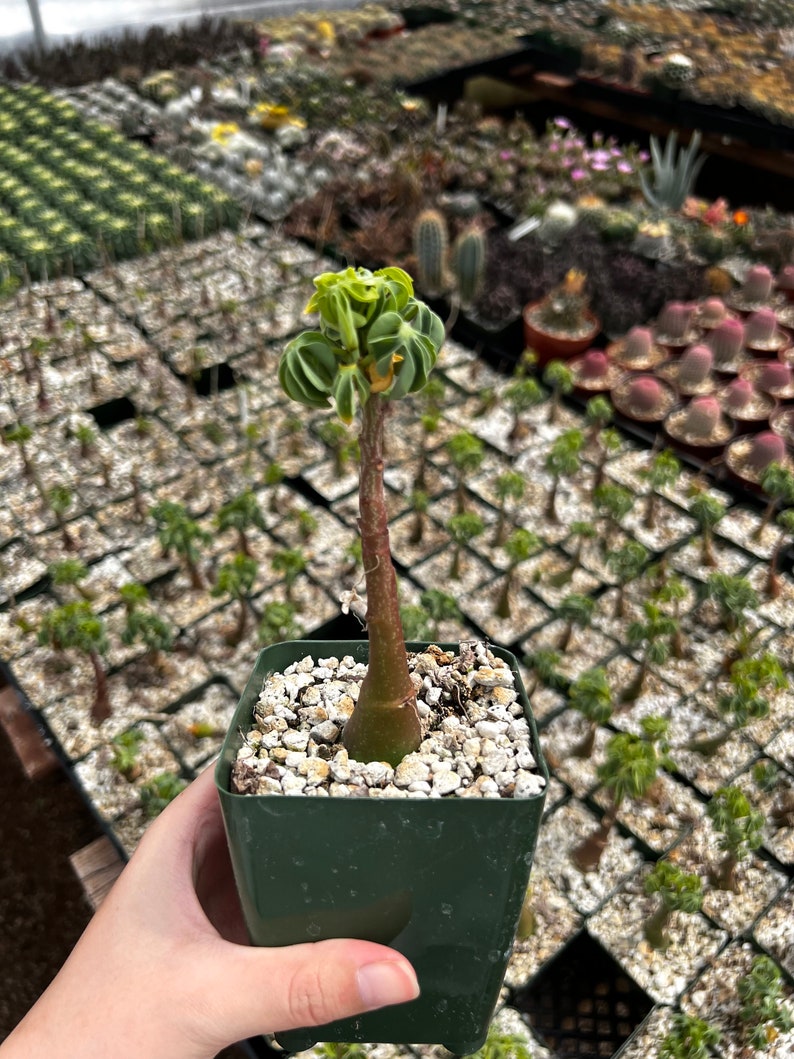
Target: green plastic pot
x=440 y=880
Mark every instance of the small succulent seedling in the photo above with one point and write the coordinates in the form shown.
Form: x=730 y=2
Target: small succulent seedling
x=375 y=343
x=500 y=1044
x=178 y=532
x=521 y=397
x=591 y=696
x=576 y=611
x=236 y=579
x=126 y=748
x=630 y=769
x=241 y=514
x=745 y=699
x=626 y=563
x=740 y=829
x=734 y=596
x=157 y=792
x=520 y=546
x=652 y=635
x=290 y=563
x=689 y=1038
x=559 y=378
x=75 y=626
x=764 y=1010
x=562 y=461
x=664 y=469
x=277 y=622
x=466 y=452
x=678 y=892
x=707 y=510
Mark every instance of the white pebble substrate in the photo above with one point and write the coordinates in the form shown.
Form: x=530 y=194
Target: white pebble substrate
x=477 y=742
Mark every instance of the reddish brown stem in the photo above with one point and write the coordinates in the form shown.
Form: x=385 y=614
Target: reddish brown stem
x=385 y=723
x=100 y=711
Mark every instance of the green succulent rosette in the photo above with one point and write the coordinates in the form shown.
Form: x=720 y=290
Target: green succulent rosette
x=374 y=337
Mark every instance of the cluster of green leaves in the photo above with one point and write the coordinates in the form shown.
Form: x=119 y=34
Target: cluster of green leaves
x=72 y=189
x=763 y=1011
x=374 y=337
x=159 y=791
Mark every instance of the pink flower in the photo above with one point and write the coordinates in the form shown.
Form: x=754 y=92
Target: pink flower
x=505 y=155
x=601 y=157
x=553 y=147
x=578 y=174
x=562 y=123
x=644 y=156
x=264 y=45
x=599 y=167
x=625 y=167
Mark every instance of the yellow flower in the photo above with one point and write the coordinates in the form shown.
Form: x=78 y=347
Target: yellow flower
x=326 y=30
x=574 y=281
x=224 y=130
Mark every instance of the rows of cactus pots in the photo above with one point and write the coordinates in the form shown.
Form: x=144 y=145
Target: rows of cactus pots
x=167 y=512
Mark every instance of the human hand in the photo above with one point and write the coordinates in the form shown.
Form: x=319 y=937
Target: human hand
x=164 y=970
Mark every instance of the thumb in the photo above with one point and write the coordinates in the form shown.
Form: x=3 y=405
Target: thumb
x=264 y=990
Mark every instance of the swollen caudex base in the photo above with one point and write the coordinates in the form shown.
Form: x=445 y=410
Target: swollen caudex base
x=477 y=742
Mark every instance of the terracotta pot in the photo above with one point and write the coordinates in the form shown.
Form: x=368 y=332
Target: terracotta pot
x=549 y=346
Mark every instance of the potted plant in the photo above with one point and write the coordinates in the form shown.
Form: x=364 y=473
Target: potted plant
x=561 y=324
x=373 y=865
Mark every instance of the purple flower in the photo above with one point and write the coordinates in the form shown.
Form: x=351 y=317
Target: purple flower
x=625 y=167
x=505 y=155
x=616 y=152
x=553 y=146
x=599 y=167
x=644 y=156
x=562 y=123
x=567 y=162
x=600 y=158
x=578 y=174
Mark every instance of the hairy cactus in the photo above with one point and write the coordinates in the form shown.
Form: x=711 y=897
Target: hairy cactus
x=468 y=264
x=774 y=376
x=638 y=344
x=431 y=241
x=674 y=321
x=594 y=365
x=757 y=286
x=677 y=69
x=767 y=448
x=695 y=366
x=558 y=220
x=646 y=394
x=702 y=417
x=760 y=329
x=712 y=312
x=738 y=395
x=726 y=341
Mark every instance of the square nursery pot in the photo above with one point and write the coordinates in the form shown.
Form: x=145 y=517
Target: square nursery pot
x=440 y=880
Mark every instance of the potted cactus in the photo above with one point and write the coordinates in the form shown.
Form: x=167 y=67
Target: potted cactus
x=364 y=860
x=561 y=324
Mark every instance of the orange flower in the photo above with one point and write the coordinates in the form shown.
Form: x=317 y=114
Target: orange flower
x=741 y=217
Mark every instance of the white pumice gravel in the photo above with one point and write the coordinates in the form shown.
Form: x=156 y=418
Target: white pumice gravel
x=477 y=741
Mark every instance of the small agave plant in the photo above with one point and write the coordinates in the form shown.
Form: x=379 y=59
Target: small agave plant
x=375 y=343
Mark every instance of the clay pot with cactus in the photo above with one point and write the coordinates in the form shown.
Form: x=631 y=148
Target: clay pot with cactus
x=762 y=335
x=726 y=342
x=699 y=428
x=774 y=377
x=594 y=372
x=644 y=399
x=691 y=373
x=675 y=327
x=749 y=407
x=756 y=292
x=637 y=350
x=561 y=324
x=748 y=458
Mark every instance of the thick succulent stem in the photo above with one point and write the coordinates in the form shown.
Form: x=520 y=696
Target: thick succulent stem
x=100 y=710
x=385 y=723
x=655 y=928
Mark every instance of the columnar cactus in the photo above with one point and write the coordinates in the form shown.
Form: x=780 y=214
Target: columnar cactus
x=726 y=341
x=468 y=264
x=695 y=366
x=431 y=242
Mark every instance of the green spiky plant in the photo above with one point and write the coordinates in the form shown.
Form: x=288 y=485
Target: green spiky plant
x=689 y=1038
x=674 y=172
x=707 y=510
x=520 y=546
x=740 y=829
x=630 y=769
x=664 y=469
x=678 y=892
x=375 y=343
x=763 y=1009
x=74 y=626
x=591 y=696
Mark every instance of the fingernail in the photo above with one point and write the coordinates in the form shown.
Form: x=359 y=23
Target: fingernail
x=389 y=982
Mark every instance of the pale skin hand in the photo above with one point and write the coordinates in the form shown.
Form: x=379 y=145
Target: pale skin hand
x=163 y=970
